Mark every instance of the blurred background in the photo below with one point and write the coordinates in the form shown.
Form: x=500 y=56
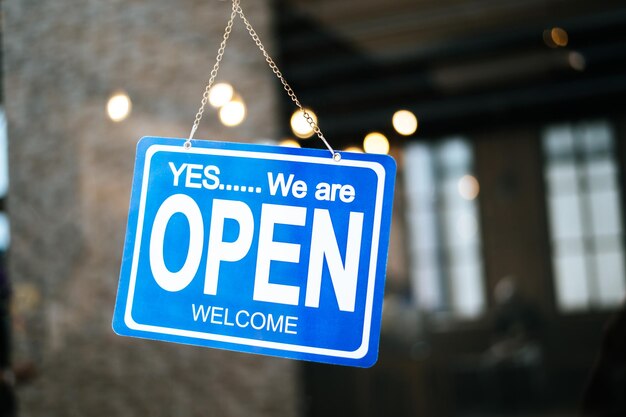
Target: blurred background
x=506 y=276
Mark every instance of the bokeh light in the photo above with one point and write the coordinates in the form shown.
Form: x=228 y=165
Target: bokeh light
x=299 y=125
x=220 y=94
x=468 y=187
x=290 y=143
x=404 y=122
x=577 y=61
x=119 y=106
x=559 y=36
x=376 y=142
x=555 y=37
x=233 y=112
x=354 y=149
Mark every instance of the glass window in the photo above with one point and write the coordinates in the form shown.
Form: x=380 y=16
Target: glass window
x=442 y=209
x=585 y=216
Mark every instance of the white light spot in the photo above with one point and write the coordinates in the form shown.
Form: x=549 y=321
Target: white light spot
x=404 y=122
x=300 y=126
x=233 y=112
x=376 y=143
x=220 y=94
x=468 y=187
x=119 y=106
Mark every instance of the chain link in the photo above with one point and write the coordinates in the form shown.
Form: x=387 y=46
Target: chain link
x=216 y=67
x=237 y=10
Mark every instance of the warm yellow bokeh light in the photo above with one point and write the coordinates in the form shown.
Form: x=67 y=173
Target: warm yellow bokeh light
x=220 y=94
x=233 y=113
x=468 y=187
x=299 y=125
x=376 y=143
x=354 y=149
x=290 y=143
x=119 y=106
x=559 y=36
x=404 y=122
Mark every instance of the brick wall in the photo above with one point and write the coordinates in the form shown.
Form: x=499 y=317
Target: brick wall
x=71 y=170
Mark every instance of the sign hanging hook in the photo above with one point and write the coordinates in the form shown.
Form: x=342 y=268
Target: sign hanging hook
x=237 y=10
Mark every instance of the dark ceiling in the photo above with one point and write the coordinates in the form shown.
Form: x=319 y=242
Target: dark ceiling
x=458 y=65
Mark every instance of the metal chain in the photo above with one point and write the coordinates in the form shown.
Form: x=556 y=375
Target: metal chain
x=292 y=95
x=216 y=67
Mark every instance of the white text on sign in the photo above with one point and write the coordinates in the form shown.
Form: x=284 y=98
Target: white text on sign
x=243 y=318
x=207 y=176
x=323 y=247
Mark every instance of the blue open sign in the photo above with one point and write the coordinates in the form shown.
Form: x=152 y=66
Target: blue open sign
x=258 y=249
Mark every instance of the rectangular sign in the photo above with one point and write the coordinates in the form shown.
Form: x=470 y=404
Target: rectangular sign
x=259 y=249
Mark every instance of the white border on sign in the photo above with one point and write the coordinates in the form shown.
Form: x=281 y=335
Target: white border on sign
x=360 y=352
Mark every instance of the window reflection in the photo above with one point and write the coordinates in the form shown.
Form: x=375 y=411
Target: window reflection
x=585 y=215
x=446 y=266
